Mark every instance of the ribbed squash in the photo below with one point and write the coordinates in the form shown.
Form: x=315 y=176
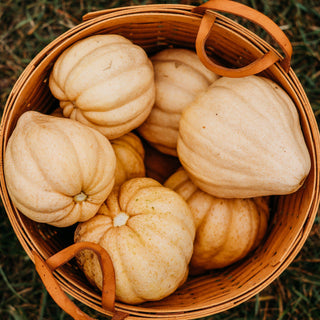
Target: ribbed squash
x=226 y=229
x=129 y=153
x=242 y=138
x=58 y=171
x=106 y=82
x=179 y=77
x=148 y=231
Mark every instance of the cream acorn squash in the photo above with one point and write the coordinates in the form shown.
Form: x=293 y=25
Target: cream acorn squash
x=179 y=77
x=226 y=229
x=242 y=138
x=58 y=171
x=106 y=82
x=129 y=153
x=148 y=231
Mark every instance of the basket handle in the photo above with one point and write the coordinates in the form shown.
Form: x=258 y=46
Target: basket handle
x=45 y=269
x=253 y=15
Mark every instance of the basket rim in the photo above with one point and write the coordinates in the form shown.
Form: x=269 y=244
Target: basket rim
x=144 y=8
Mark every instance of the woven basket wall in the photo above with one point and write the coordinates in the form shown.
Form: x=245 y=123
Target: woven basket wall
x=156 y=27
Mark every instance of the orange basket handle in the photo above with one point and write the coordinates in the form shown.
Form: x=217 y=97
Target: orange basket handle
x=45 y=270
x=253 y=15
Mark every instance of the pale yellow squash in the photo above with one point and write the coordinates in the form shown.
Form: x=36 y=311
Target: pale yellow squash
x=179 y=77
x=106 y=82
x=227 y=230
x=148 y=231
x=242 y=138
x=57 y=170
x=129 y=153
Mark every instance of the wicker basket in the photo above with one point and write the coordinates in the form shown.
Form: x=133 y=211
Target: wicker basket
x=229 y=45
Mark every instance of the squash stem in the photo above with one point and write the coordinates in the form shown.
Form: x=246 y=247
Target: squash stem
x=80 y=197
x=120 y=219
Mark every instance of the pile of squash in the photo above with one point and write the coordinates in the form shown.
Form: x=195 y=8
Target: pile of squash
x=166 y=165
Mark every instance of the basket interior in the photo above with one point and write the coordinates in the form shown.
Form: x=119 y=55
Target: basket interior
x=292 y=215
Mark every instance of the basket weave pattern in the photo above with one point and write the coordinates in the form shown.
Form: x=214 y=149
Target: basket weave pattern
x=154 y=28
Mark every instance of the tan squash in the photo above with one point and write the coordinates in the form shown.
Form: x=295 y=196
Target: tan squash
x=106 y=82
x=179 y=77
x=242 y=138
x=58 y=171
x=129 y=153
x=148 y=231
x=227 y=230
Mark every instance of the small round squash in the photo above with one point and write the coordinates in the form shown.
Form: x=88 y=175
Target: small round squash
x=179 y=77
x=129 y=153
x=226 y=229
x=148 y=231
x=58 y=171
x=242 y=138
x=106 y=82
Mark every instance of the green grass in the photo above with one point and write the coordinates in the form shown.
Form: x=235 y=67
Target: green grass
x=27 y=27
